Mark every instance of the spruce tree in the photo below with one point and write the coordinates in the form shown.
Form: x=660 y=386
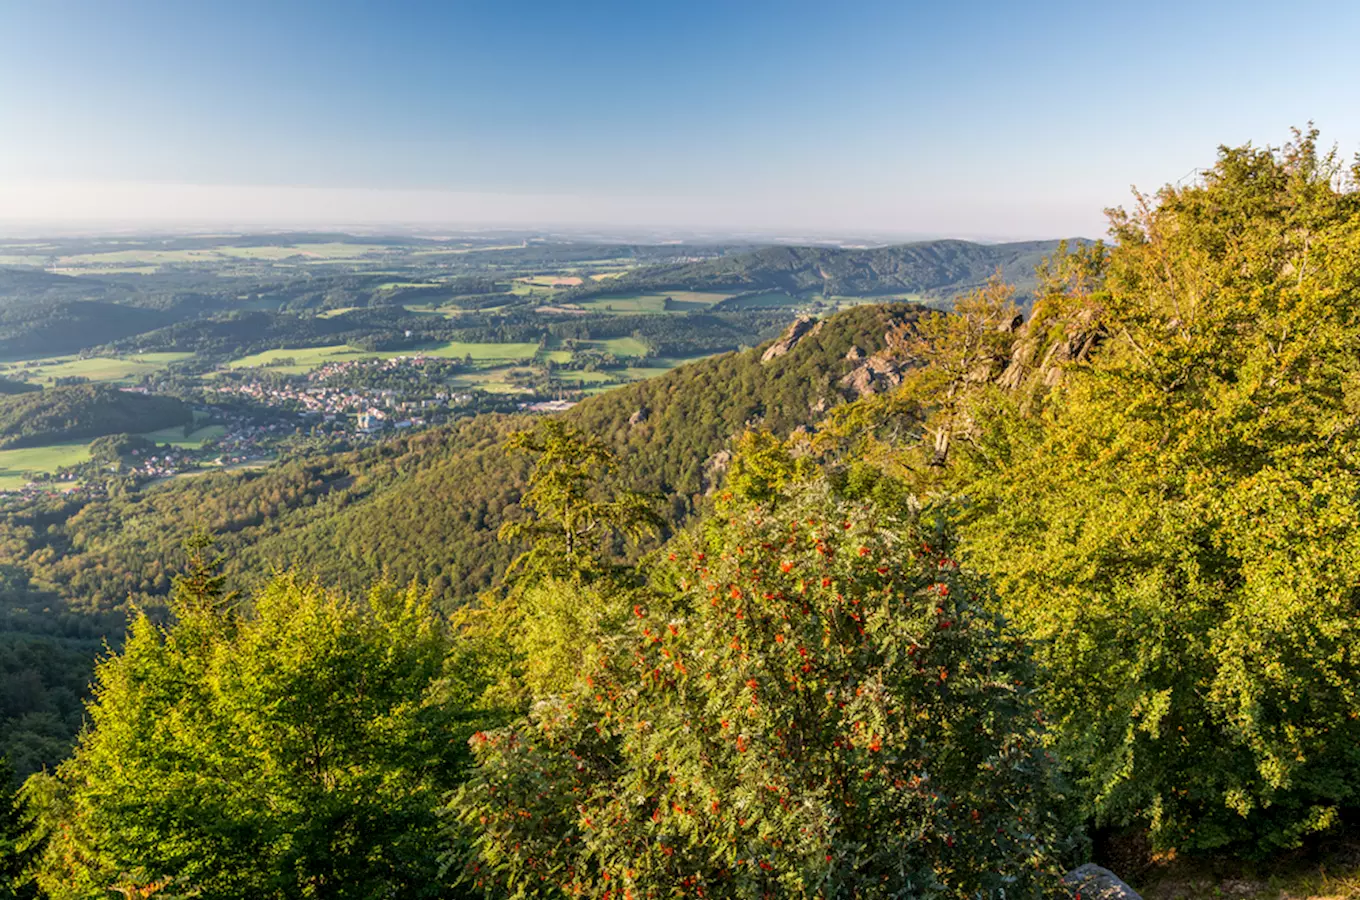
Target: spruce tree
x=17 y=852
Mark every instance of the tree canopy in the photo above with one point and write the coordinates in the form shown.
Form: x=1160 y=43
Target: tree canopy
x=810 y=701
x=297 y=747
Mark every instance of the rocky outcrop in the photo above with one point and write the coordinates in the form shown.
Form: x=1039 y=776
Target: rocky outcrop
x=1082 y=332
x=1091 y=882
x=714 y=467
x=638 y=417
x=877 y=373
x=854 y=354
x=801 y=328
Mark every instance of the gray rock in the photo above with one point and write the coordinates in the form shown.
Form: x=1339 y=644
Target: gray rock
x=1091 y=882
x=801 y=327
x=714 y=467
x=876 y=374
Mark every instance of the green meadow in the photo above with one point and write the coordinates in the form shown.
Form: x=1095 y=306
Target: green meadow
x=336 y=251
x=682 y=301
x=110 y=369
x=305 y=359
x=15 y=465
x=194 y=440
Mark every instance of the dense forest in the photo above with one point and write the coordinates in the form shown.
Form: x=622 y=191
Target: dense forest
x=930 y=269
x=903 y=603
x=33 y=418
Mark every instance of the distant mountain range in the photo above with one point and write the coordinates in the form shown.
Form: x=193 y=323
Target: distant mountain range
x=935 y=270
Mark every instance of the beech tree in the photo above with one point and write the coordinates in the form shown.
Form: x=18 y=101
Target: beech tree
x=296 y=747
x=1175 y=523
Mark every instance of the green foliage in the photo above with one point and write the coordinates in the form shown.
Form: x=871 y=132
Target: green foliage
x=42 y=684
x=296 y=749
x=10 y=386
x=810 y=701
x=83 y=411
x=1167 y=502
x=112 y=448
x=563 y=592
x=567 y=521
x=762 y=469
x=17 y=850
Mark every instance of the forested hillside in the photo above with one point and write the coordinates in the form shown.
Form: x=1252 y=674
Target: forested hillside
x=937 y=269
x=73 y=412
x=59 y=326
x=905 y=603
x=428 y=506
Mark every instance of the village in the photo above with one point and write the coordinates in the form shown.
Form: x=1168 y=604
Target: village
x=247 y=419
x=345 y=395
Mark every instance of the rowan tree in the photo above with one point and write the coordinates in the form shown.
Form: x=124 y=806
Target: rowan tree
x=810 y=700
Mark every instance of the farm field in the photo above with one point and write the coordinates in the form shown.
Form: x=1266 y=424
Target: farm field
x=108 y=369
x=447 y=312
x=626 y=346
x=305 y=359
x=14 y=464
x=177 y=438
x=147 y=260
x=17 y=464
x=551 y=281
x=683 y=301
x=482 y=352
x=474 y=248
x=765 y=301
x=840 y=302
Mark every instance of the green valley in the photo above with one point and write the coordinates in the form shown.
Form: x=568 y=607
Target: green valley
x=494 y=566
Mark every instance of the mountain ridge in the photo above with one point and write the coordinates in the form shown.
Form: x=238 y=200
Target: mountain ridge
x=935 y=270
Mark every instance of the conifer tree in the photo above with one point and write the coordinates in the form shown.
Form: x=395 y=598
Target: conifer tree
x=18 y=850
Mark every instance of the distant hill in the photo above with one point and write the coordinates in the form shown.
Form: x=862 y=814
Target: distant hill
x=429 y=506
x=84 y=411
x=26 y=286
x=11 y=386
x=931 y=269
x=67 y=326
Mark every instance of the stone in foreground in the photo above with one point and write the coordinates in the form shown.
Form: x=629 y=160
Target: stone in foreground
x=1091 y=882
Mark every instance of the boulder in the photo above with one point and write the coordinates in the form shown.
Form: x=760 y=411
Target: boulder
x=1091 y=882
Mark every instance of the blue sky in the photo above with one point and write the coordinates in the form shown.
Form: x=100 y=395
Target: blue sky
x=992 y=119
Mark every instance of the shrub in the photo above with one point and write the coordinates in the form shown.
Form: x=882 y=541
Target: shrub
x=813 y=702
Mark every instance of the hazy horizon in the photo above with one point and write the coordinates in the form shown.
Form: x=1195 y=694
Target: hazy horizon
x=992 y=121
